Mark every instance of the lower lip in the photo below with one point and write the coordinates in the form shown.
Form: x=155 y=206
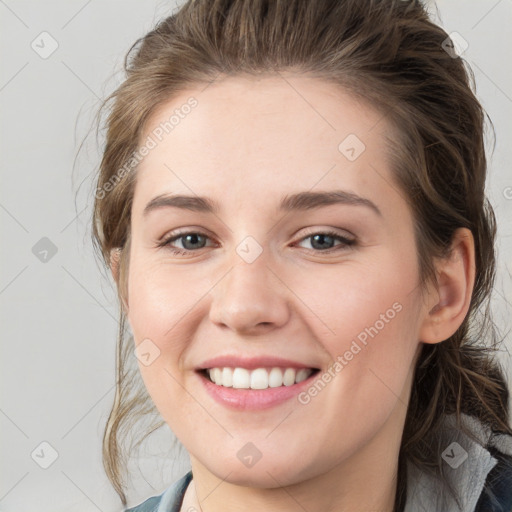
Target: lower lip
x=254 y=399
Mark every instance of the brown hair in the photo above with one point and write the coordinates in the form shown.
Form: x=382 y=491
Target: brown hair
x=390 y=54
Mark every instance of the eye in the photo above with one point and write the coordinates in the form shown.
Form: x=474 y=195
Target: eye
x=191 y=241
x=320 y=239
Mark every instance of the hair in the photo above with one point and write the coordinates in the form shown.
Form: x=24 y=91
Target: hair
x=391 y=55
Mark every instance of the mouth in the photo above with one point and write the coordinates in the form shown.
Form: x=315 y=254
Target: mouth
x=257 y=378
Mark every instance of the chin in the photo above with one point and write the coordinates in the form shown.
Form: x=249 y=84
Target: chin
x=268 y=474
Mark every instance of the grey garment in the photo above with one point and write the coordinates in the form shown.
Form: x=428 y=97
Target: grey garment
x=467 y=462
x=169 y=501
x=172 y=498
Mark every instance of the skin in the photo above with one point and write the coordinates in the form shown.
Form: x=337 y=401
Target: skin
x=248 y=143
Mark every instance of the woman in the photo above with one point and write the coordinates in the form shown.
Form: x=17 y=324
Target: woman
x=318 y=350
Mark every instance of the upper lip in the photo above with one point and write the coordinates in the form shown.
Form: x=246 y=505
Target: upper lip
x=251 y=363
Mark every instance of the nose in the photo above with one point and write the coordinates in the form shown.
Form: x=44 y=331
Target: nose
x=251 y=299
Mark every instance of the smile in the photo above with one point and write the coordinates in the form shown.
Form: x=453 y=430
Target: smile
x=259 y=378
x=260 y=388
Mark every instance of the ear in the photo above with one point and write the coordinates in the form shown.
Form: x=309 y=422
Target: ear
x=448 y=305
x=115 y=254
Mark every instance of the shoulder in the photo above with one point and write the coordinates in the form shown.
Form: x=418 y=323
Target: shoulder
x=150 y=505
x=478 y=468
x=169 y=501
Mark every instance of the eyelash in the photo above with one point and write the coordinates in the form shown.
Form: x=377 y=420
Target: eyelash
x=346 y=242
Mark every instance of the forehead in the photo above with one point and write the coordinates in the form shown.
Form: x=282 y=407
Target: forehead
x=248 y=134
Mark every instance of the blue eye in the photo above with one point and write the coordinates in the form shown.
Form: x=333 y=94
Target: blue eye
x=194 y=240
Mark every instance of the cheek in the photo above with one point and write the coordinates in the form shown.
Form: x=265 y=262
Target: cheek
x=361 y=297
x=372 y=352
x=161 y=310
x=368 y=323
x=160 y=298
x=165 y=309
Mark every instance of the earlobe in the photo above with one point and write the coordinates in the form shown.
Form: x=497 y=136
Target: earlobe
x=447 y=306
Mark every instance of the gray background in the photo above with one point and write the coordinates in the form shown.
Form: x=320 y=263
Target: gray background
x=59 y=316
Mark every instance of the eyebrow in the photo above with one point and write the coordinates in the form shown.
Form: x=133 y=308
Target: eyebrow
x=301 y=201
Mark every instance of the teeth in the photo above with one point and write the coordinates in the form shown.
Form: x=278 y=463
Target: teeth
x=227 y=377
x=260 y=378
x=275 y=378
x=241 y=378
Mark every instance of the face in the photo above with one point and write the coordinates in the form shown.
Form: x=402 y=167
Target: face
x=267 y=281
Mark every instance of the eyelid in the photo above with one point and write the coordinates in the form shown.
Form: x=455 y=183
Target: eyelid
x=338 y=232
x=185 y=231
x=175 y=235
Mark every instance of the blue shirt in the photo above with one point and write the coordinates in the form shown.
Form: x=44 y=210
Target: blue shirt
x=480 y=471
